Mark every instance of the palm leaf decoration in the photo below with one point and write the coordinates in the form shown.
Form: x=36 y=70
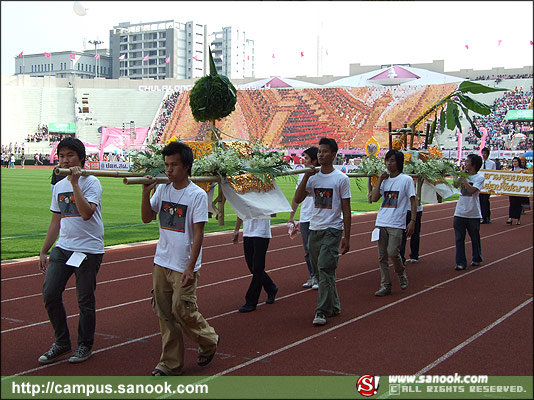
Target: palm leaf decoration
x=447 y=109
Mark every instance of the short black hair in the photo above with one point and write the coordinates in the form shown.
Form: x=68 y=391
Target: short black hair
x=485 y=150
x=312 y=152
x=330 y=143
x=185 y=152
x=73 y=144
x=476 y=161
x=399 y=157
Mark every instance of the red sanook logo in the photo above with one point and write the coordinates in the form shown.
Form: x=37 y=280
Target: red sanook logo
x=367 y=385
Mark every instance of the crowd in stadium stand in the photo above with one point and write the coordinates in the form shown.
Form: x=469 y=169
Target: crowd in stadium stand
x=498 y=78
x=501 y=132
x=13 y=148
x=42 y=134
x=164 y=116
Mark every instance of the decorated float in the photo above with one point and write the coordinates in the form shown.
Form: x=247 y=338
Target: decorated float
x=245 y=172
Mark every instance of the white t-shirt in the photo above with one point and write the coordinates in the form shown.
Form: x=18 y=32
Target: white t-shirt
x=468 y=205
x=306 y=207
x=75 y=234
x=328 y=190
x=396 y=193
x=257 y=228
x=489 y=164
x=178 y=210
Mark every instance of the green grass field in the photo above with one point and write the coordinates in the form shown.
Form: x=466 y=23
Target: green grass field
x=25 y=210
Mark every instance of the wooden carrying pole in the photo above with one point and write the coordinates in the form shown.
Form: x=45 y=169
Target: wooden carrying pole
x=145 y=181
x=99 y=172
x=163 y=179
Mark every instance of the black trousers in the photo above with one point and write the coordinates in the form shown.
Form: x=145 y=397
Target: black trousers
x=415 y=239
x=255 y=252
x=485 y=206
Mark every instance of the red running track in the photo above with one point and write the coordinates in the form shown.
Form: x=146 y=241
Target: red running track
x=472 y=322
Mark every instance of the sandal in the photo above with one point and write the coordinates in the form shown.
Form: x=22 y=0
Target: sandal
x=509 y=222
x=158 y=372
x=205 y=360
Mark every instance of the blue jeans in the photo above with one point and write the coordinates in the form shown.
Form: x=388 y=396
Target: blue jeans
x=472 y=226
x=57 y=276
x=305 y=230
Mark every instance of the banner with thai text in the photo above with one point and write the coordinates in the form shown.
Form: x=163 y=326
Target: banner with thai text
x=508 y=183
x=115 y=165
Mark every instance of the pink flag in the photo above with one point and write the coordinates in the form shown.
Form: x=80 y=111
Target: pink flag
x=73 y=56
x=97 y=56
x=21 y=53
x=145 y=58
x=195 y=58
x=168 y=60
x=499 y=43
x=326 y=52
x=47 y=55
x=122 y=57
x=467 y=46
x=302 y=54
x=531 y=42
x=248 y=57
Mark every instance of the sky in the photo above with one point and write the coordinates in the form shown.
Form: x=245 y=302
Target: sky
x=465 y=34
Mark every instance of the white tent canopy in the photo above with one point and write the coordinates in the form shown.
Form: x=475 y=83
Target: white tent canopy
x=276 y=82
x=396 y=75
x=111 y=148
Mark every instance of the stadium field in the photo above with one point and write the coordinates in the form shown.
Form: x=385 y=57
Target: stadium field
x=26 y=199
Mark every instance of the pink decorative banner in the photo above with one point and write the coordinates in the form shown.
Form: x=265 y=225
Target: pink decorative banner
x=484 y=132
x=121 y=139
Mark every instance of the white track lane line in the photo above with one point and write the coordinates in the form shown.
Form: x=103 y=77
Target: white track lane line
x=220 y=245
x=248 y=275
x=304 y=340
x=212 y=262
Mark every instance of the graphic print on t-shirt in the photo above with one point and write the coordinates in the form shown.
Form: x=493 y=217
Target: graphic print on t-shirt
x=67 y=205
x=172 y=216
x=463 y=190
x=323 y=198
x=391 y=199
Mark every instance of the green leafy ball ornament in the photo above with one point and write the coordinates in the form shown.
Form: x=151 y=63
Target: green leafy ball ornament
x=213 y=96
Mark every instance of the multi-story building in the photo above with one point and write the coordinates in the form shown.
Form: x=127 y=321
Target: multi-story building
x=159 y=50
x=233 y=53
x=64 y=64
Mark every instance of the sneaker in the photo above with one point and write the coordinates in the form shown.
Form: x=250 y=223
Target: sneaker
x=320 y=319
x=403 y=279
x=308 y=284
x=315 y=283
x=82 y=353
x=53 y=354
x=246 y=308
x=460 y=267
x=475 y=263
x=270 y=298
x=412 y=260
x=383 y=291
